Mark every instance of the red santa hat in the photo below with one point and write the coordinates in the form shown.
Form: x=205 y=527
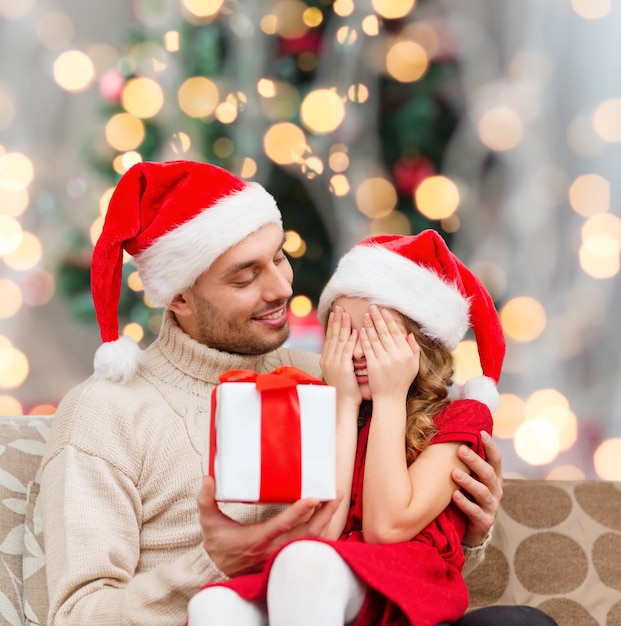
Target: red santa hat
x=419 y=277
x=175 y=218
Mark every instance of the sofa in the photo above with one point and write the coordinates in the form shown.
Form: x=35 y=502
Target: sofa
x=556 y=544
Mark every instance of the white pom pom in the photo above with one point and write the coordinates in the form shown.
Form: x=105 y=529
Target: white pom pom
x=483 y=389
x=117 y=361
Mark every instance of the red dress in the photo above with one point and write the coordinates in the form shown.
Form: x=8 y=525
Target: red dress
x=417 y=582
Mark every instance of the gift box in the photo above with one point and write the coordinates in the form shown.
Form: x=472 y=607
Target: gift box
x=272 y=437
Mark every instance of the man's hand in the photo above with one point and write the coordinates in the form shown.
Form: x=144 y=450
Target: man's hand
x=485 y=490
x=238 y=549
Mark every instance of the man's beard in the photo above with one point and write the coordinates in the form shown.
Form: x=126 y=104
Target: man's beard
x=234 y=335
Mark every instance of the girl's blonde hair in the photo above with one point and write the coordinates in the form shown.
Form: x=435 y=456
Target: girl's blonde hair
x=428 y=393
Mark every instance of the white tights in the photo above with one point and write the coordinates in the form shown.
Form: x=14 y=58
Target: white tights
x=309 y=584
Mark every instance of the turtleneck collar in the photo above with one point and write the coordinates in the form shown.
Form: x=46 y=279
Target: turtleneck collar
x=174 y=349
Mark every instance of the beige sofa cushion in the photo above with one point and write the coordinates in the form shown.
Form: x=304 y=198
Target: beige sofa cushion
x=22 y=442
x=33 y=561
x=565 y=538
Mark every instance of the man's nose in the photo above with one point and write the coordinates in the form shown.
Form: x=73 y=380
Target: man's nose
x=278 y=285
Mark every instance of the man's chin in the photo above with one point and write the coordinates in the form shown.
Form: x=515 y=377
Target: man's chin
x=266 y=343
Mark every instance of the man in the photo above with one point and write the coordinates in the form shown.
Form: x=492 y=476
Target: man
x=125 y=543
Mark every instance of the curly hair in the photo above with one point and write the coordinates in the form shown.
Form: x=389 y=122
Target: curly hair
x=428 y=394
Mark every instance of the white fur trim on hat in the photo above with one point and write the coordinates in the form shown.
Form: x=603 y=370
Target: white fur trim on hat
x=389 y=279
x=175 y=260
x=483 y=389
x=117 y=360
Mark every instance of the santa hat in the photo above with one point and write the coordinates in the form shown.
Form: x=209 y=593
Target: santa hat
x=423 y=280
x=175 y=218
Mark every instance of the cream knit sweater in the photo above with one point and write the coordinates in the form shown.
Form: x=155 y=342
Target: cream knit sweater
x=120 y=478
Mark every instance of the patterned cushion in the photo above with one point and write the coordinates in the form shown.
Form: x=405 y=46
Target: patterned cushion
x=556 y=546
x=22 y=441
x=33 y=561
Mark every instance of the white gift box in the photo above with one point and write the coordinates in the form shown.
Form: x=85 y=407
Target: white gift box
x=273 y=440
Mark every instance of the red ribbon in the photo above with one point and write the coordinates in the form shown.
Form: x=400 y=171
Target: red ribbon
x=281 y=438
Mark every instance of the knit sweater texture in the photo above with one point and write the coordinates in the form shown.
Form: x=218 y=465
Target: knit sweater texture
x=120 y=477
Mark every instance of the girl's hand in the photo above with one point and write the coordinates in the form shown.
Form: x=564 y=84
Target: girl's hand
x=392 y=355
x=337 y=357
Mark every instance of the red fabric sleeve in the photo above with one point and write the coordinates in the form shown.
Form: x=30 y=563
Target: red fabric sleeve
x=463 y=421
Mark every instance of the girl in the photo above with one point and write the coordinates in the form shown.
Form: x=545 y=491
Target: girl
x=396 y=307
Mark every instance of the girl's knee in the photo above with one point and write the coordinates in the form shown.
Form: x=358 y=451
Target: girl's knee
x=305 y=558
x=221 y=605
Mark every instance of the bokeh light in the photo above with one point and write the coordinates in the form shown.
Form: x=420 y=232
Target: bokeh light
x=343 y=7
x=553 y=406
x=591 y=9
x=290 y=22
x=501 y=128
x=301 y=306
x=339 y=185
x=248 y=168
x=9 y=405
x=523 y=318
x=393 y=9
x=589 y=194
x=437 y=197
x=74 y=71
x=11 y=234
x=10 y=9
x=125 y=132
x=16 y=171
x=285 y=143
x=601 y=246
x=198 y=96
x=142 y=97
x=394 y=223
x=203 y=8
x=14 y=367
x=180 y=143
x=294 y=245
x=565 y=472
x=10 y=298
x=171 y=40
x=376 y=197
x=509 y=415
x=467 y=362
x=322 y=111
x=27 y=253
x=133 y=330
x=606 y=459
x=537 y=441
x=13 y=202
x=42 y=409
x=607 y=120
x=406 y=61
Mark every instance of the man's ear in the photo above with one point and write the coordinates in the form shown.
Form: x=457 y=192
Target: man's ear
x=180 y=305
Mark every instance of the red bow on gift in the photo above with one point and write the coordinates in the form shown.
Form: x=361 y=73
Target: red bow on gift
x=281 y=378
x=281 y=469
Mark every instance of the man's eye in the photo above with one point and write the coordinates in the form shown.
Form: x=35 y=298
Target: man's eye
x=242 y=283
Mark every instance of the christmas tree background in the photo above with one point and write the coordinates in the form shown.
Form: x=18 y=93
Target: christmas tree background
x=495 y=123
x=408 y=120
